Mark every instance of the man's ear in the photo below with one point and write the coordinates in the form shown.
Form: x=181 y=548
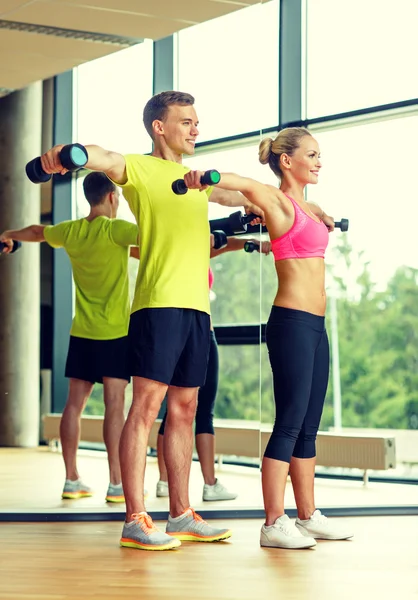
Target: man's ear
x=158 y=127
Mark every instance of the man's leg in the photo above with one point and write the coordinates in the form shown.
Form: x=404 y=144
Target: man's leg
x=114 y=420
x=147 y=398
x=70 y=426
x=178 y=445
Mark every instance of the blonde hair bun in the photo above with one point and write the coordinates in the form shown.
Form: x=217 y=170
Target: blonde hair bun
x=264 y=150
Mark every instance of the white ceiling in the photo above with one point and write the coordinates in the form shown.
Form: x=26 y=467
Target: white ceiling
x=41 y=38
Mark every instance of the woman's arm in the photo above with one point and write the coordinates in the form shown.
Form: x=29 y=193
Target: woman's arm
x=258 y=194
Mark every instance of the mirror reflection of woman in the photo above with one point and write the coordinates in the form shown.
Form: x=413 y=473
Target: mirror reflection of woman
x=296 y=336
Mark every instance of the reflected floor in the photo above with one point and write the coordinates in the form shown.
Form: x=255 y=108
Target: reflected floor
x=32 y=479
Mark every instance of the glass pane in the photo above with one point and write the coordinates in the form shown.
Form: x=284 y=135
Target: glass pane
x=373 y=47
x=230 y=65
x=373 y=276
x=111 y=94
x=237 y=274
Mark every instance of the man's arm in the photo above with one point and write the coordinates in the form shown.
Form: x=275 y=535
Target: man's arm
x=238 y=243
x=33 y=233
x=111 y=163
x=134 y=252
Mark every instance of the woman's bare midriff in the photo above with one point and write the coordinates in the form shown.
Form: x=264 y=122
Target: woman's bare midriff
x=301 y=285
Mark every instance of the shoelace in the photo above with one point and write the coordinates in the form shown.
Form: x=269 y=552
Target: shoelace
x=289 y=529
x=145 y=522
x=318 y=517
x=196 y=517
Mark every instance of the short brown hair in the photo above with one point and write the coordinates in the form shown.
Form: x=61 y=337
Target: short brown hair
x=286 y=142
x=156 y=108
x=96 y=187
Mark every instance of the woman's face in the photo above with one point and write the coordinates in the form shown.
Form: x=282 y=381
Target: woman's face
x=304 y=164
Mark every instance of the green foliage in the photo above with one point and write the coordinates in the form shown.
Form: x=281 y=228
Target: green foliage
x=378 y=342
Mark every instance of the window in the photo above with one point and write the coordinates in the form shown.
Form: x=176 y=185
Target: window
x=111 y=94
x=360 y=54
x=230 y=65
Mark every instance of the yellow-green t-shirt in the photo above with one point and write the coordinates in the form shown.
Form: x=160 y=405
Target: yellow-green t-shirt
x=173 y=236
x=99 y=252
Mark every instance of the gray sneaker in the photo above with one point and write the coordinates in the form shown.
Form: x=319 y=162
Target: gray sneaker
x=190 y=527
x=217 y=491
x=73 y=490
x=141 y=533
x=115 y=493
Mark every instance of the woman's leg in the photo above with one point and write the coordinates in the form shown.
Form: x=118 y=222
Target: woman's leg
x=291 y=353
x=205 y=433
x=302 y=465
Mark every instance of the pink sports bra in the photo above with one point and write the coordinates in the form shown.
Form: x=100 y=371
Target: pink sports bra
x=305 y=239
x=211 y=278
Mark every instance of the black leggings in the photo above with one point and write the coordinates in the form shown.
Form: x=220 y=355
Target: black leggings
x=207 y=394
x=299 y=356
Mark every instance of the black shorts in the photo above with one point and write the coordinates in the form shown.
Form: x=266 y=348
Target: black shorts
x=91 y=360
x=170 y=345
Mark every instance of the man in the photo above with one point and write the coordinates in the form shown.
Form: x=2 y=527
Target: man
x=170 y=323
x=98 y=248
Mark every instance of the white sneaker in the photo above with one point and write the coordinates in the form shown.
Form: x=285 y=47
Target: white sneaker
x=321 y=528
x=162 y=489
x=283 y=534
x=217 y=492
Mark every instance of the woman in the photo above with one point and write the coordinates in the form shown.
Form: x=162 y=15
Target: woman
x=205 y=434
x=296 y=337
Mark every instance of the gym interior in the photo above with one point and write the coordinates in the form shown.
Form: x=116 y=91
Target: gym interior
x=82 y=71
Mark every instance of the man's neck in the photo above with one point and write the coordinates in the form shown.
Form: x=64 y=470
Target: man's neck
x=99 y=211
x=167 y=153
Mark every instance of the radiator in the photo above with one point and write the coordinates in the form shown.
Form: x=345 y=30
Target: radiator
x=377 y=453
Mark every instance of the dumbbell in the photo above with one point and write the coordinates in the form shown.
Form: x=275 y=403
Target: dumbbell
x=16 y=246
x=72 y=157
x=343 y=224
x=211 y=177
x=251 y=247
x=219 y=239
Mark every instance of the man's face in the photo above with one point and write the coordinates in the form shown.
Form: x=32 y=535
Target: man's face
x=179 y=128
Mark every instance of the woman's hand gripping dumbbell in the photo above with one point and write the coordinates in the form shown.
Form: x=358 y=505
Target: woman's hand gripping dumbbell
x=256 y=245
x=343 y=224
x=211 y=177
x=60 y=159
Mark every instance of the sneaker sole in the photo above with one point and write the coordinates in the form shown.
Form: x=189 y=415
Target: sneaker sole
x=323 y=537
x=75 y=495
x=330 y=538
x=273 y=545
x=218 y=499
x=127 y=543
x=193 y=537
x=115 y=499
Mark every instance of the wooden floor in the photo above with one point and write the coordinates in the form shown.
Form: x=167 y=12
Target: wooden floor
x=32 y=480
x=59 y=561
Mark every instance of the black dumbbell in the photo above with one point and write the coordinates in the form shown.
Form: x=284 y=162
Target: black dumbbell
x=343 y=224
x=72 y=157
x=251 y=247
x=211 y=177
x=16 y=246
x=219 y=239
x=238 y=221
